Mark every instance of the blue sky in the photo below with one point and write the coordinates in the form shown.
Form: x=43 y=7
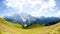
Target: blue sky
x=4 y=11
x=37 y=8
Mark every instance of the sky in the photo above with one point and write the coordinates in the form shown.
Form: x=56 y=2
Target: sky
x=36 y=8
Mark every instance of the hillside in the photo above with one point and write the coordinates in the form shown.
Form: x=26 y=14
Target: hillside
x=10 y=28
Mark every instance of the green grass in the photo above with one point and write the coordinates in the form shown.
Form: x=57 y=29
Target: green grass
x=10 y=28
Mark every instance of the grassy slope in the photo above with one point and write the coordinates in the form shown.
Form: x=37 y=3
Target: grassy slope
x=10 y=28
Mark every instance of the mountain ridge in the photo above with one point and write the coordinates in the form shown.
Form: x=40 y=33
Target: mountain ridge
x=26 y=19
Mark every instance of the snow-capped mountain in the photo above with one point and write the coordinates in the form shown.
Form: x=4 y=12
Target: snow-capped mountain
x=22 y=18
x=26 y=19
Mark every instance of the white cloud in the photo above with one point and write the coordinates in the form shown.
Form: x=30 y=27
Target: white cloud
x=41 y=7
x=57 y=14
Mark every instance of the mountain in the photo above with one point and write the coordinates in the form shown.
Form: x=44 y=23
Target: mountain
x=27 y=20
x=48 y=20
x=14 y=18
x=21 y=19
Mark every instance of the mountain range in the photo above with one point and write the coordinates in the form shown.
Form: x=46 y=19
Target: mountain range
x=26 y=19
